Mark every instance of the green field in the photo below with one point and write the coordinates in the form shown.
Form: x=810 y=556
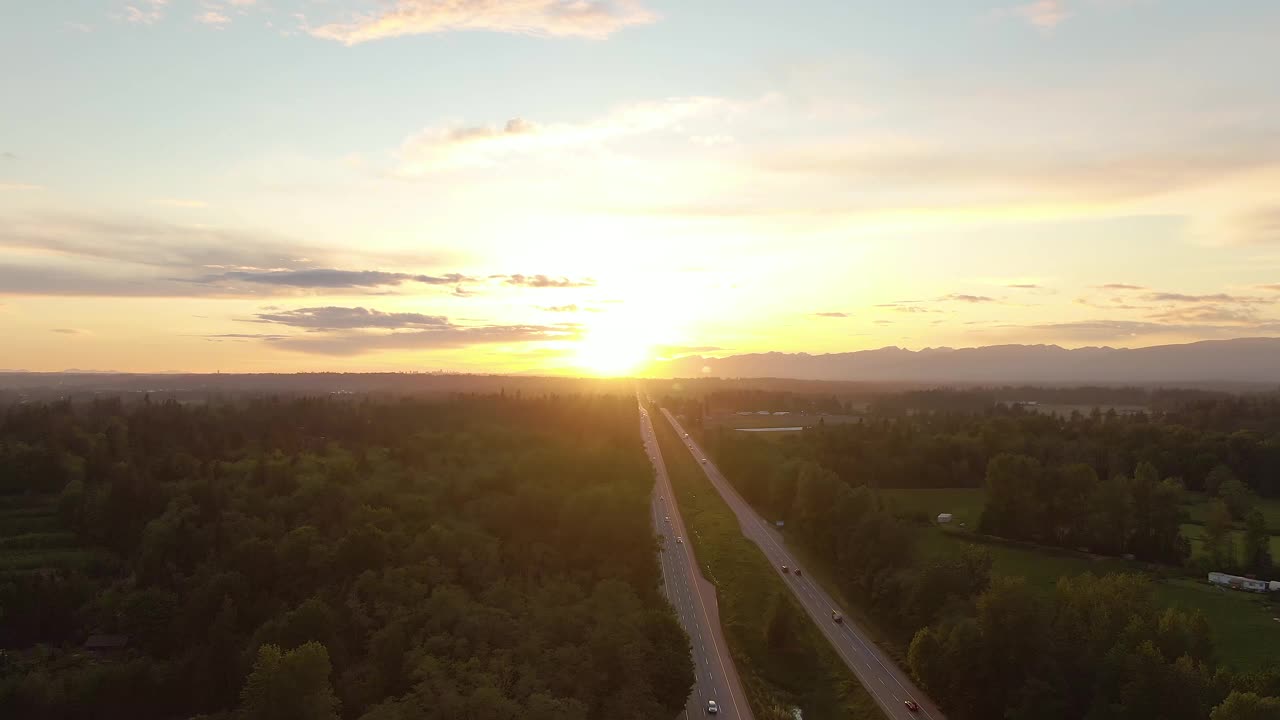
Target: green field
x=1195 y=534
x=809 y=676
x=32 y=536
x=1243 y=624
x=1198 y=510
x=965 y=504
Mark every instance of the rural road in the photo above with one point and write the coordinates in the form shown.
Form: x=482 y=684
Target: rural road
x=694 y=600
x=877 y=672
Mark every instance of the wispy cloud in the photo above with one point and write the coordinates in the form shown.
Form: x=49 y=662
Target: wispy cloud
x=960 y=297
x=572 y=308
x=347 y=318
x=213 y=18
x=544 y=281
x=70 y=331
x=831 y=314
x=467 y=146
x=1261 y=225
x=145 y=12
x=1185 y=298
x=450 y=336
x=547 y=18
x=1121 y=286
x=332 y=279
x=1042 y=13
x=1023 y=286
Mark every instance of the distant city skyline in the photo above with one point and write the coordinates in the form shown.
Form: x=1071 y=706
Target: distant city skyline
x=582 y=186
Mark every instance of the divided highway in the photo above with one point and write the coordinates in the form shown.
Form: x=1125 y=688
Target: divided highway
x=694 y=600
x=878 y=673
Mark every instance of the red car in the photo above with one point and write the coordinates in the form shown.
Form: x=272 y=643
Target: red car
x=912 y=705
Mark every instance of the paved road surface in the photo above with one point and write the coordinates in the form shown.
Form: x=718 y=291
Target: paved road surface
x=694 y=600
x=878 y=673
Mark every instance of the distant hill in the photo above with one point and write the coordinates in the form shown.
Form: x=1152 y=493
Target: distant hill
x=1250 y=360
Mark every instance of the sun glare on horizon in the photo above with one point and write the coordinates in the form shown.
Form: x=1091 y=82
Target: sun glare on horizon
x=612 y=353
x=616 y=345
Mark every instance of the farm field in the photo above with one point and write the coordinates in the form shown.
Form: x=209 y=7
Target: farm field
x=1244 y=625
x=32 y=536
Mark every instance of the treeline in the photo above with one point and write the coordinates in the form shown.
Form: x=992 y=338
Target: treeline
x=1140 y=515
x=1068 y=506
x=991 y=648
x=1096 y=648
x=933 y=450
x=480 y=557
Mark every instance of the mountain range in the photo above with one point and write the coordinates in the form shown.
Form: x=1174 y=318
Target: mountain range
x=1250 y=360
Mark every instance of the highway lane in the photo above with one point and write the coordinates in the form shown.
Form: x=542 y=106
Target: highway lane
x=693 y=598
x=877 y=672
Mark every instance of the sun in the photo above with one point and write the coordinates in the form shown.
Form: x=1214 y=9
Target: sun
x=613 y=349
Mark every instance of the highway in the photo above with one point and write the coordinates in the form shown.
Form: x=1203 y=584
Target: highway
x=694 y=600
x=877 y=672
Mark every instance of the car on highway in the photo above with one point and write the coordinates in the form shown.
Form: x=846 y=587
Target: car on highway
x=679 y=539
x=912 y=705
x=704 y=459
x=785 y=570
x=712 y=708
x=837 y=616
x=797 y=572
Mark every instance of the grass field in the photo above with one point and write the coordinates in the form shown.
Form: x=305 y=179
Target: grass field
x=32 y=536
x=1198 y=510
x=965 y=504
x=1243 y=624
x=811 y=676
x=1195 y=534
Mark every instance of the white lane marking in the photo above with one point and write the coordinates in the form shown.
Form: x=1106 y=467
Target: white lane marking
x=726 y=489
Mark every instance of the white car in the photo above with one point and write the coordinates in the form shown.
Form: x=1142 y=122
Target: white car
x=712 y=708
x=679 y=539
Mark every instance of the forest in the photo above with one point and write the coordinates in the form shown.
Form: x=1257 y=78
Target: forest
x=485 y=557
x=986 y=646
x=952 y=448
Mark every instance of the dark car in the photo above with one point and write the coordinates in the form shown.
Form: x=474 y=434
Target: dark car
x=912 y=705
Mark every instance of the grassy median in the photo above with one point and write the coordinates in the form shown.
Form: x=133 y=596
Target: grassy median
x=800 y=669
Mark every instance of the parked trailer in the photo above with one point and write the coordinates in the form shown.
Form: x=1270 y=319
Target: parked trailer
x=1236 y=582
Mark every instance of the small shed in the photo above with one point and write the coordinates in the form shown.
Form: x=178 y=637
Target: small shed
x=944 y=518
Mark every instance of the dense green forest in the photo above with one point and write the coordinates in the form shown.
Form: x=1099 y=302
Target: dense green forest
x=986 y=646
x=479 y=557
x=952 y=448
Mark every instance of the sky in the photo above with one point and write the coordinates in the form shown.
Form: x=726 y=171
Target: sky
x=581 y=186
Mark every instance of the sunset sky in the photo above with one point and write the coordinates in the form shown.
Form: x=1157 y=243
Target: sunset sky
x=576 y=186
